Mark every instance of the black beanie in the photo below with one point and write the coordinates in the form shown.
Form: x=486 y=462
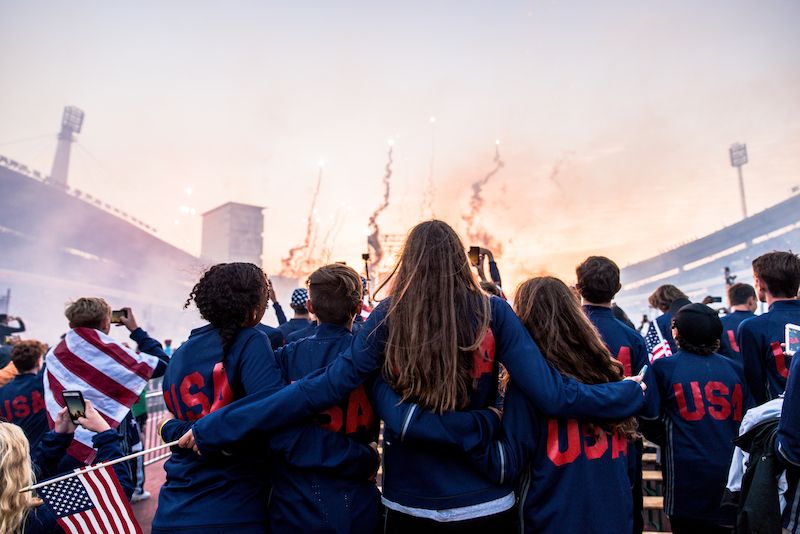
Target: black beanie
x=698 y=324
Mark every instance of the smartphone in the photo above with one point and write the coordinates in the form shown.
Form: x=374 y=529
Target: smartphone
x=474 y=256
x=643 y=371
x=117 y=314
x=716 y=299
x=792 y=339
x=75 y=404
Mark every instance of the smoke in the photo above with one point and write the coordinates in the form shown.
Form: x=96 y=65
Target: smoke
x=476 y=233
x=430 y=190
x=556 y=170
x=373 y=240
x=289 y=265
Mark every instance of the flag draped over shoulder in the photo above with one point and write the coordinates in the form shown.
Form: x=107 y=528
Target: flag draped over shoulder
x=92 y=502
x=657 y=346
x=107 y=373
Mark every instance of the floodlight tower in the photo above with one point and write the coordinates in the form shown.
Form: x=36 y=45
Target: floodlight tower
x=738 y=152
x=71 y=122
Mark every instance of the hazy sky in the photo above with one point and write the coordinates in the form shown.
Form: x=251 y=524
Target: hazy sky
x=614 y=117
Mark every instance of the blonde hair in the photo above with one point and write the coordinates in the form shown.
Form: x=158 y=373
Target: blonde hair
x=15 y=474
x=87 y=311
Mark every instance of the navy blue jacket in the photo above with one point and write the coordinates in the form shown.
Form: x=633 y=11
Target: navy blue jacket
x=557 y=461
x=765 y=364
x=276 y=339
x=625 y=344
x=235 y=484
x=788 y=447
x=514 y=347
x=279 y=313
x=697 y=403
x=22 y=403
x=314 y=500
x=730 y=326
x=197 y=383
x=293 y=325
x=45 y=458
x=301 y=334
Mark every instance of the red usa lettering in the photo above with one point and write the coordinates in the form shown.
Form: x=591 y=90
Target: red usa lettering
x=714 y=399
x=581 y=440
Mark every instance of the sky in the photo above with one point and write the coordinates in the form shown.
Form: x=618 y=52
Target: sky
x=614 y=118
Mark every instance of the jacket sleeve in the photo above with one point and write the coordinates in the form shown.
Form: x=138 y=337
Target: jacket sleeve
x=279 y=312
x=108 y=448
x=550 y=392
x=504 y=459
x=173 y=429
x=494 y=273
x=788 y=439
x=49 y=452
x=150 y=346
x=309 y=446
x=466 y=430
x=323 y=388
x=752 y=358
x=651 y=419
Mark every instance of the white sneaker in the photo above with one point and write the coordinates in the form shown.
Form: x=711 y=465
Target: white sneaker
x=140 y=495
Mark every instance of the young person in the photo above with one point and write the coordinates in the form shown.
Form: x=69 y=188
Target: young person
x=314 y=500
x=22 y=399
x=597 y=283
x=667 y=299
x=742 y=300
x=696 y=399
x=584 y=462
x=222 y=361
x=787 y=446
x=439 y=340
x=20 y=465
x=301 y=318
x=777 y=278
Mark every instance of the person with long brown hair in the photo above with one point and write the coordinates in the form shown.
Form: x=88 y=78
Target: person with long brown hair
x=438 y=340
x=584 y=462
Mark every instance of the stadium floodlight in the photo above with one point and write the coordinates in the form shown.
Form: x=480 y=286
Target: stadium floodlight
x=72 y=120
x=738 y=153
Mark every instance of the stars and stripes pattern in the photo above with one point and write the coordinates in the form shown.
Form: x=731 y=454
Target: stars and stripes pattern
x=657 y=346
x=109 y=374
x=92 y=502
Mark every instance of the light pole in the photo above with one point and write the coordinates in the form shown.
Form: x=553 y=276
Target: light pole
x=738 y=153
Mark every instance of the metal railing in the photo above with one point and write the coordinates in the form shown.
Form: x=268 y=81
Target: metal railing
x=156 y=410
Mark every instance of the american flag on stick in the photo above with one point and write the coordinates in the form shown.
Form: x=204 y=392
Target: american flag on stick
x=109 y=374
x=657 y=346
x=92 y=502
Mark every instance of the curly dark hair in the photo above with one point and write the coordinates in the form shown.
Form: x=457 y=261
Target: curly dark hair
x=230 y=296
x=702 y=350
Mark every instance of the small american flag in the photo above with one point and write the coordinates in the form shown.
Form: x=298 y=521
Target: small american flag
x=657 y=346
x=91 y=503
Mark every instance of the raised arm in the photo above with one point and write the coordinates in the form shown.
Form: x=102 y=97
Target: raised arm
x=548 y=391
x=314 y=393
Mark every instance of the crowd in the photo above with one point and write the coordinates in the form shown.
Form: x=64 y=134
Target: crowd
x=528 y=418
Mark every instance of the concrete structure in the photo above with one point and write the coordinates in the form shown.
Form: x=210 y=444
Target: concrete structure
x=233 y=232
x=71 y=124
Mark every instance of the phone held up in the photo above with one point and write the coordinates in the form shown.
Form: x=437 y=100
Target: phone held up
x=75 y=404
x=792 y=339
x=474 y=256
x=116 y=315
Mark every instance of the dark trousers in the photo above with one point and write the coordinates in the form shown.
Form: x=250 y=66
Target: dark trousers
x=399 y=523
x=686 y=525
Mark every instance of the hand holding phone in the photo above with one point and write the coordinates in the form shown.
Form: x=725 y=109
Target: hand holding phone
x=792 y=332
x=118 y=315
x=474 y=256
x=643 y=371
x=76 y=407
